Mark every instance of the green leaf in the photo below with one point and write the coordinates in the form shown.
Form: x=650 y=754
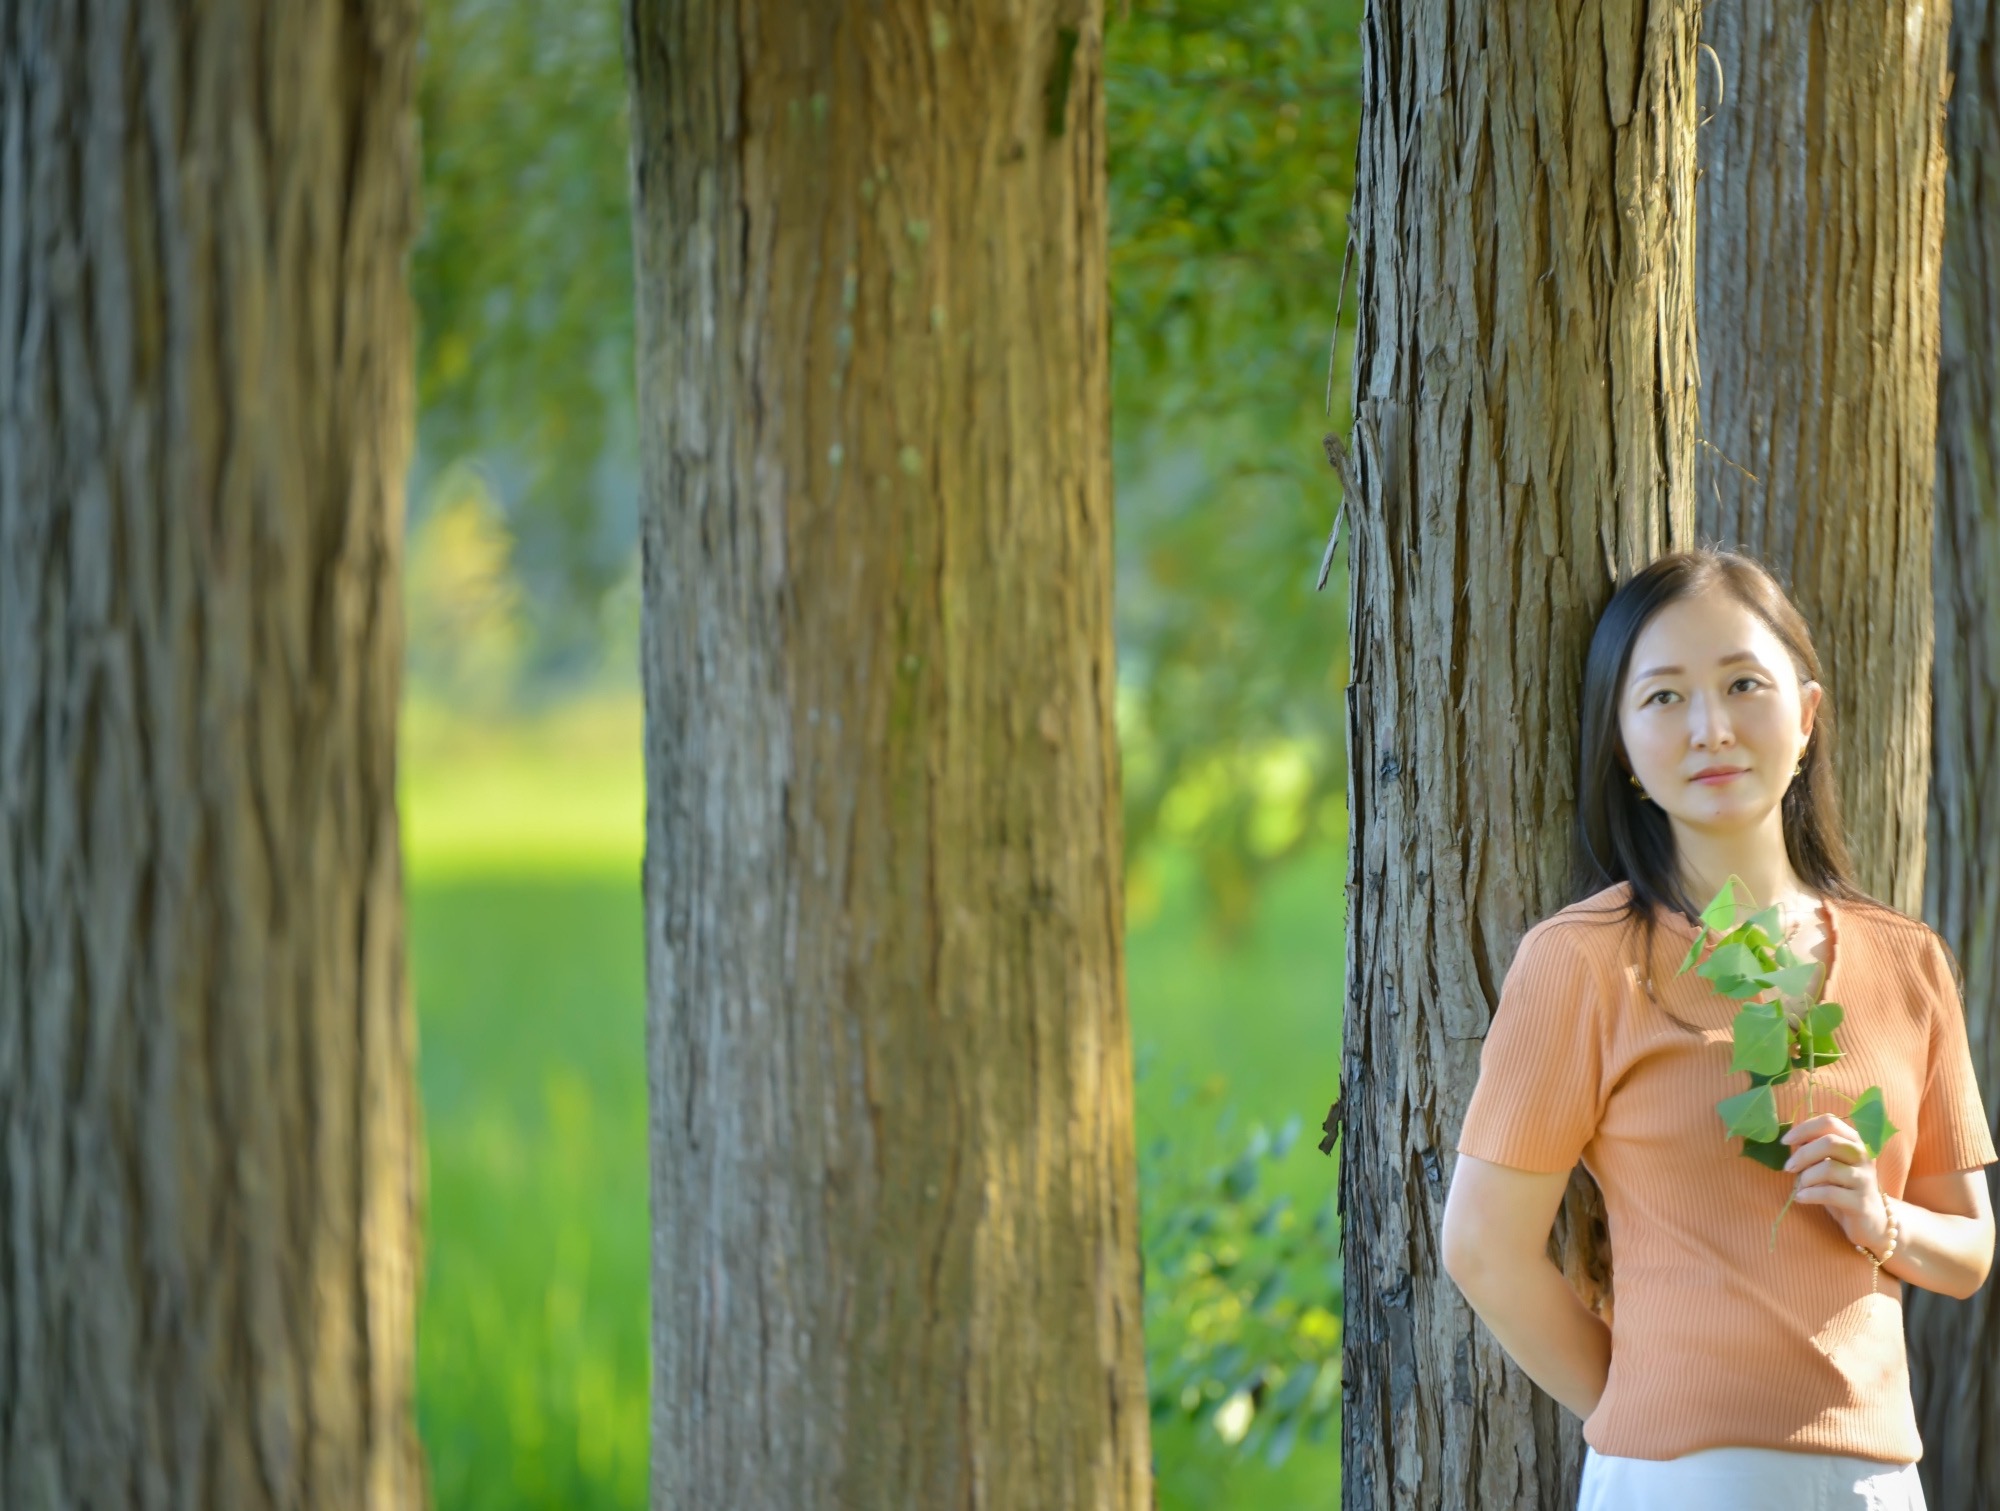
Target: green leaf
x=1240 y=1179
x=1741 y=988
x=1788 y=957
x=1751 y=1114
x=1772 y=1152
x=1871 y=1120
x=1694 y=952
x=1299 y=1381
x=1720 y=914
x=1795 y=980
x=1822 y=1018
x=1763 y=1041
x=1270 y=1290
x=1730 y=961
x=1777 y=1080
x=1765 y=923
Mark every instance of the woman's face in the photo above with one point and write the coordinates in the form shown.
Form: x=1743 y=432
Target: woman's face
x=1710 y=689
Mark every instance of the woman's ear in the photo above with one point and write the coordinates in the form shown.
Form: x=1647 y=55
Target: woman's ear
x=1810 y=692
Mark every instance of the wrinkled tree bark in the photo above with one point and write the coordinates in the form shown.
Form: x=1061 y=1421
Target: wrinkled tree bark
x=895 y=1229
x=1821 y=214
x=208 y=1178
x=1525 y=399
x=1955 y=1346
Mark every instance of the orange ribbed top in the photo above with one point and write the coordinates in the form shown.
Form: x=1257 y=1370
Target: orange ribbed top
x=1717 y=1340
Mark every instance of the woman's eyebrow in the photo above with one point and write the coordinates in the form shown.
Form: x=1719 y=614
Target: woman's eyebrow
x=1675 y=671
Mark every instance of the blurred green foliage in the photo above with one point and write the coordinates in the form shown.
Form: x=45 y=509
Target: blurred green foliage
x=523 y=283
x=1243 y=1298
x=1231 y=147
x=1234 y=1037
x=1232 y=134
x=462 y=602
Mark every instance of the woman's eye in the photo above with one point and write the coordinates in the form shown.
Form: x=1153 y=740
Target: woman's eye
x=1665 y=692
x=1754 y=683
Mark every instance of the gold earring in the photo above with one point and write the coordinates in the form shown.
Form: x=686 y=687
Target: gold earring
x=1633 y=778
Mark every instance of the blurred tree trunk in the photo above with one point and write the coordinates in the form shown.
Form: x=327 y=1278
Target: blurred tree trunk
x=895 y=1224
x=1821 y=214
x=209 y=1179
x=1524 y=376
x=1954 y=1345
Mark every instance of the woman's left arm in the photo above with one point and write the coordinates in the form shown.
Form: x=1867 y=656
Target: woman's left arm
x=1945 y=1221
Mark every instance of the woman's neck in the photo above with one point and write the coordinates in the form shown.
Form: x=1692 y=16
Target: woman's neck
x=1756 y=857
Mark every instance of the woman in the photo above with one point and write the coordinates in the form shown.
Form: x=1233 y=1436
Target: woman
x=1730 y=1373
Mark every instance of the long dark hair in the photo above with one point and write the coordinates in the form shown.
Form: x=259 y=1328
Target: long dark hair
x=1622 y=837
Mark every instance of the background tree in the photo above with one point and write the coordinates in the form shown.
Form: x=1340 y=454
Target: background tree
x=210 y=1181
x=1821 y=220
x=1955 y=1346
x=896 y=1246
x=1525 y=415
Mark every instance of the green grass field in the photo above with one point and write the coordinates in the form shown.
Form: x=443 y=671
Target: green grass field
x=523 y=848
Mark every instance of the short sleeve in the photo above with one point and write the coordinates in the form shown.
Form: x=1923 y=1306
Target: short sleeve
x=1952 y=1130
x=1540 y=1089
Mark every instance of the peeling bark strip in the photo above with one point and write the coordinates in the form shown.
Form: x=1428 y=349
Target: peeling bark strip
x=1822 y=214
x=207 y=1118
x=1524 y=376
x=895 y=1224
x=1955 y=1345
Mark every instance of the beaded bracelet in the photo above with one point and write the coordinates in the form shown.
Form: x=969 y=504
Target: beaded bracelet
x=1888 y=1249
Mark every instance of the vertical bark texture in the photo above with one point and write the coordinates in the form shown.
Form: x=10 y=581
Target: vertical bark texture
x=1525 y=399
x=1822 y=210
x=1955 y=1346
x=207 y=1120
x=895 y=1239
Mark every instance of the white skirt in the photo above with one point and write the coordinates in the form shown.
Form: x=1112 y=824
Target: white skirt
x=1748 y=1479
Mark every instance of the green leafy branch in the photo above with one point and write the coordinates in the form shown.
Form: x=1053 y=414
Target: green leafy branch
x=1783 y=1027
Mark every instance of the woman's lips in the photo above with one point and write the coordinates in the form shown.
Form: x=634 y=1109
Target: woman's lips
x=1717 y=778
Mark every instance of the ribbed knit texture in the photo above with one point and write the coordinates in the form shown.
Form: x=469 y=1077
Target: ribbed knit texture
x=1717 y=1340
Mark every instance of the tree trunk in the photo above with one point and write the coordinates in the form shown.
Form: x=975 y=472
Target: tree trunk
x=1525 y=399
x=1955 y=1346
x=895 y=1229
x=209 y=1179
x=1822 y=209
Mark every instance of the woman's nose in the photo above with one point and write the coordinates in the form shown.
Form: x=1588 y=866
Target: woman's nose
x=1708 y=721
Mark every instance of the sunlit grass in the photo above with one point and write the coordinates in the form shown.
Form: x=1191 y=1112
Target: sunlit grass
x=523 y=847
x=563 y=792
x=532 y=1343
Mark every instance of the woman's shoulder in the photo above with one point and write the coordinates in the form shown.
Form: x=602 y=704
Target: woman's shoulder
x=1597 y=925
x=1884 y=921
x=1603 y=914
x=1906 y=947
